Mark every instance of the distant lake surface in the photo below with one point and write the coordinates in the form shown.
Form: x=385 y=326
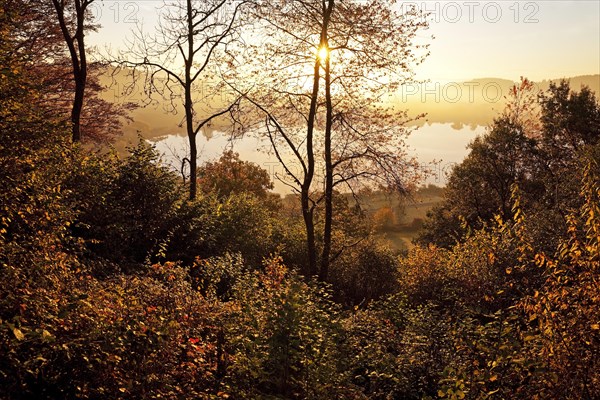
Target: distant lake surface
x=437 y=147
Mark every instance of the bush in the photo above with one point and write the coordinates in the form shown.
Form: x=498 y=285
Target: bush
x=282 y=335
x=123 y=337
x=208 y=226
x=126 y=207
x=392 y=350
x=363 y=273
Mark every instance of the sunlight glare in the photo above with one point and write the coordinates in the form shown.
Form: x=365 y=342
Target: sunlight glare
x=323 y=53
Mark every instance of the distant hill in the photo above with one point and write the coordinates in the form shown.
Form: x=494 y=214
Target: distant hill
x=152 y=121
x=471 y=103
x=577 y=82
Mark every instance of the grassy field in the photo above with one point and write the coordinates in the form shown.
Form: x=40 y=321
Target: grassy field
x=399 y=219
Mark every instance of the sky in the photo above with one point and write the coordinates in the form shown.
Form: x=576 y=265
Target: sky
x=473 y=39
x=508 y=39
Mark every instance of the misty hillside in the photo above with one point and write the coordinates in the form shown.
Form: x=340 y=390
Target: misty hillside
x=443 y=103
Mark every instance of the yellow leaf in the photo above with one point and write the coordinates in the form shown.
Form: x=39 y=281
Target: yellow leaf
x=18 y=334
x=595 y=326
x=532 y=317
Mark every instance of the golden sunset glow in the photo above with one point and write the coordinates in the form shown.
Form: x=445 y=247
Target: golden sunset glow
x=323 y=53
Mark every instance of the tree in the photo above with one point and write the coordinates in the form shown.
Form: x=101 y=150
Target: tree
x=485 y=178
x=536 y=148
x=39 y=41
x=178 y=62
x=231 y=175
x=570 y=119
x=570 y=126
x=74 y=20
x=329 y=66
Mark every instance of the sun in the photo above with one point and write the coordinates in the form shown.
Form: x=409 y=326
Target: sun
x=323 y=53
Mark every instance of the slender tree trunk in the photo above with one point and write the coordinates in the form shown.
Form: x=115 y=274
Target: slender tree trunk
x=76 y=46
x=308 y=216
x=325 y=257
x=77 y=107
x=193 y=166
x=81 y=74
x=307 y=209
x=189 y=105
x=311 y=247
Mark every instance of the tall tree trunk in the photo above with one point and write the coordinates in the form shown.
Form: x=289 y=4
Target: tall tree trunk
x=325 y=257
x=311 y=247
x=77 y=107
x=189 y=105
x=76 y=46
x=307 y=209
x=81 y=74
x=193 y=164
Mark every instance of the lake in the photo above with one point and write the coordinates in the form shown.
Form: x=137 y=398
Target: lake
x=438 y=146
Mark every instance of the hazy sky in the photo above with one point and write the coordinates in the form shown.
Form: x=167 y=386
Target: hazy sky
x=507 y=39
x=473 y=39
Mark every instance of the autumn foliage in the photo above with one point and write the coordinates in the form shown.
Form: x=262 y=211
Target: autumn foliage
x=115 y=284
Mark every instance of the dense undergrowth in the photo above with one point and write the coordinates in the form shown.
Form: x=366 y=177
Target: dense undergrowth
x=114 y=285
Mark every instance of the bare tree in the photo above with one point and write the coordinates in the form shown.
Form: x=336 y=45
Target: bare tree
x=181 y=61
x=322 y=73
x=69 y=80
x=74 y=20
